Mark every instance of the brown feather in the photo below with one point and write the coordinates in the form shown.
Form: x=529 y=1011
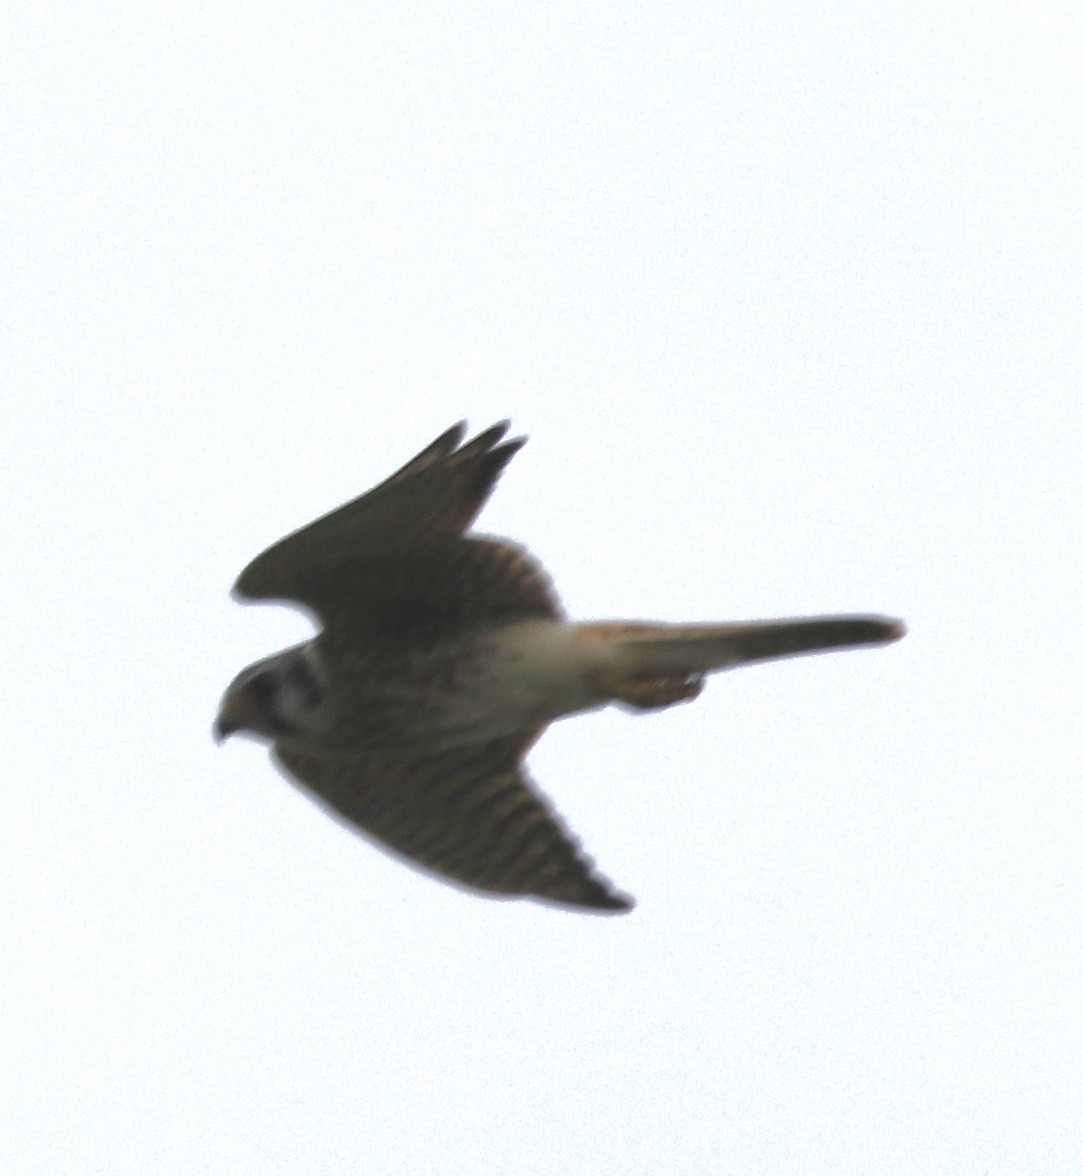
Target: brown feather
x=437 y=494
x=467 y=815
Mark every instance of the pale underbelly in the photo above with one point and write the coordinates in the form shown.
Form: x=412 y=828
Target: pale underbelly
x=492 y=685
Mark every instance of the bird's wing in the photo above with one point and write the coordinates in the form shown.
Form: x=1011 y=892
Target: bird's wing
x=426 y=592
x=434 y=497
x=468 y=815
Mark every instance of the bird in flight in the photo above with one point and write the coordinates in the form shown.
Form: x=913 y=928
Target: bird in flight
x=443 y=656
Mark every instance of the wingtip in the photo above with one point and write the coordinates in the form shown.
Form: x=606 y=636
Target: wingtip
x=451 y=439
x=516 y=442
x=618 y=904
x=608 y=905
x=485 y=442
x=590 y=895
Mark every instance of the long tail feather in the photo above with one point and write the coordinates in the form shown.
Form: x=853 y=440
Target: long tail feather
x=692 y=649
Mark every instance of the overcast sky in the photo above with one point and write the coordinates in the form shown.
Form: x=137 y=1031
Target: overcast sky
x=790 y=306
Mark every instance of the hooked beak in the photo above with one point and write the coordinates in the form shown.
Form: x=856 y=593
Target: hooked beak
x=224 y=727
x=231 y=717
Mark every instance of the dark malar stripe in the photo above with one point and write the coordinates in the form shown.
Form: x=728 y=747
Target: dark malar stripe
x=301 y=675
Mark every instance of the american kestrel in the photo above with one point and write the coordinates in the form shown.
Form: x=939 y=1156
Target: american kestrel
x=443 y=656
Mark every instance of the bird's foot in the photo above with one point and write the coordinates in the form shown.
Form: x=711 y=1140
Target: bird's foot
x=656 y=693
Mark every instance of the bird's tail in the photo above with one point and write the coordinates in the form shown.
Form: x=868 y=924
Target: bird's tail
x=656 y=665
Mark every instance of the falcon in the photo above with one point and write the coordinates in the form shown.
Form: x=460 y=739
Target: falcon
x=443 y=656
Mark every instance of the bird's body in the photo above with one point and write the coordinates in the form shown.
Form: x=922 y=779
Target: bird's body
x=444 y=656
x=478 y=686
x=489 y=683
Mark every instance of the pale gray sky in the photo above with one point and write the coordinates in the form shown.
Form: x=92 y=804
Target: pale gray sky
x=790 y=305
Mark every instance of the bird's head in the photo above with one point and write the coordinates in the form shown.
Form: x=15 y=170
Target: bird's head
x=276 y=697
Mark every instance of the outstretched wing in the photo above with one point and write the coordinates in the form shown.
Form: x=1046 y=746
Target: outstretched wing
x=468 y=815
x=434 y=497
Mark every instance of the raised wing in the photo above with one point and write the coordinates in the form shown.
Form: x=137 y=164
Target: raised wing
x=468 y=815
x=436 y=495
